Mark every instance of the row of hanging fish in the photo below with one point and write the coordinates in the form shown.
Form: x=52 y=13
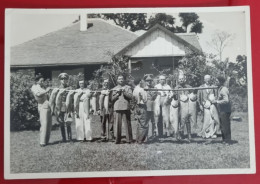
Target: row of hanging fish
x=171 y=110
x=72 y=100
x=185 y=106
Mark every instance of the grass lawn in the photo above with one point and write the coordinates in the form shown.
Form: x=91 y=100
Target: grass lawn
x=28 y=157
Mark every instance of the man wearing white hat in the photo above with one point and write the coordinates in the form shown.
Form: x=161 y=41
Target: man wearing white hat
x=64 y=117
x=204 y=104
x=162 y=107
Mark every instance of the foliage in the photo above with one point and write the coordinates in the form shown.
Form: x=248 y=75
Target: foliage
x=193 y=20
x=241 y=69
x=23 y=106
x=139 y=21
x=94 y=15
x=197 y=27
x=132 y=21
x=195 y=68
x=164 y=20
x=117 y=66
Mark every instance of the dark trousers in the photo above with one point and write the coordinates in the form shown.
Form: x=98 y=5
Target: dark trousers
x=106 y=126
x=159 y=123
x=225 y=125
x=61 y=120
x=142 y=123
x=125 y=116
x=150 y=117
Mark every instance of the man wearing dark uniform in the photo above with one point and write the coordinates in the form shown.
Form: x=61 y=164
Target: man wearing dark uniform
x=63 y=116
x=121 y=96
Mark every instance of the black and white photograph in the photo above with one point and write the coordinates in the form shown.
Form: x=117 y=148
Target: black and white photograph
x=128 y=92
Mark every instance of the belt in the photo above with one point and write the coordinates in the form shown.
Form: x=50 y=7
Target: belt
x=141 y=105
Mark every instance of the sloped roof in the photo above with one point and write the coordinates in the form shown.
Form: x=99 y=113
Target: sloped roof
x=188 y=39
x=70 y=46
x=191 y=38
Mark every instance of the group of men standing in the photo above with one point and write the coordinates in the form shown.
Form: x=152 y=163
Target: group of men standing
x=168 y=110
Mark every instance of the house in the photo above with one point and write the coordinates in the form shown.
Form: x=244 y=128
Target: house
x=73 y=49
x=159 y=49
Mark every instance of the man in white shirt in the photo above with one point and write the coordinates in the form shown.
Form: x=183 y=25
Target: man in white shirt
x=203 y=99
x=162 y=107
x=44 y=109
x=140 y=98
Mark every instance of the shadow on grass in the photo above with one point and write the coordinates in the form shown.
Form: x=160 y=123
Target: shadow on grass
x=181 y=141
x=97 y=139
x=231 y=142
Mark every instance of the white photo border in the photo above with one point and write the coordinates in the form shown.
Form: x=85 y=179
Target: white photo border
x=9 y=175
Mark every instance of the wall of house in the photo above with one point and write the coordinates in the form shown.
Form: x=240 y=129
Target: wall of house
x=157 y=44
x=53 y=72
x=142 y=66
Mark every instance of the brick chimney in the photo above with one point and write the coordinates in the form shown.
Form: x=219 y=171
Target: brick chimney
x=83 y=22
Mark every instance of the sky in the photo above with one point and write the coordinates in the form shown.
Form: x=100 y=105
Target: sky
x=233 y=23
x=25 y=27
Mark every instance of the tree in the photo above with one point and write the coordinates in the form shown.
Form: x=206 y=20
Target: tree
x=195 y=68
x=118 y=65
x=94 y=15
x=164 y=20
x=139 y=21
x=131 y=21
x=197 y=27
x=193 y=20
x=241 y=69
x=219 y=41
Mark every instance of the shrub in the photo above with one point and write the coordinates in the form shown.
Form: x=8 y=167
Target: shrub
x=24 y=111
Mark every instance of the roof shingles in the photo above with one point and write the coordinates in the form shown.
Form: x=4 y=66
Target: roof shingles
x=70 y=46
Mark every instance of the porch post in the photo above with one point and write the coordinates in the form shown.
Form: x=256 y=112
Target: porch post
x=129 y=65
x=173 y=65
x=173 y=83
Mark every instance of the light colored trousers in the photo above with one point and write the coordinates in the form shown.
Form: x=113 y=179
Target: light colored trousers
x=83 y=124
x=163 y=109
x=46 y=122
